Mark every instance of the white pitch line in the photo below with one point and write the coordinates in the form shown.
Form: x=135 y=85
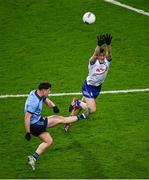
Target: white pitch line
x=79 y=93
x=140 y=11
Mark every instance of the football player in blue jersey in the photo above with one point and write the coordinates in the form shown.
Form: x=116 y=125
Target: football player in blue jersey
x=37 y=125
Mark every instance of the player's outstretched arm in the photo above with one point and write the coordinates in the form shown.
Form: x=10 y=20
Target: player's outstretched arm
x=95 y=55
x=51 y=104
x=108 y=39
x=100 y=42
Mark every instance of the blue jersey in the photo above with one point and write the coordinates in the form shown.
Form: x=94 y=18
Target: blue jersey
x=33 y=105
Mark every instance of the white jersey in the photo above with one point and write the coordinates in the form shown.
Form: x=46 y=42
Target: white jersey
x=97 y=72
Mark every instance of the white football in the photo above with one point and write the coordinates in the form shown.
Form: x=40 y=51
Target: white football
x=89 y=18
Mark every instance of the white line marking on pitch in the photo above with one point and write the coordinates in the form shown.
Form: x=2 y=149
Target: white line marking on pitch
x=79 y=93
x=128 y=7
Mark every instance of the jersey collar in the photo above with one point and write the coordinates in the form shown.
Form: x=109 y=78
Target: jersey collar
x=39 y=97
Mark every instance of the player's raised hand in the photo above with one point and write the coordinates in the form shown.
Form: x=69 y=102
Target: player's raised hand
x=100 y=40
x=28 y=136
x=108 y=39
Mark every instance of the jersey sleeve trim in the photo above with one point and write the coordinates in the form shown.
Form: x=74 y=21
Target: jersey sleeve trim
x=30 y=112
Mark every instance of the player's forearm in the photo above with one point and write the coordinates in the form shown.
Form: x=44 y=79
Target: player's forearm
x=95 y=55
x=50 y=104
x=109 y=52
x=27 y=123
x=97 y=51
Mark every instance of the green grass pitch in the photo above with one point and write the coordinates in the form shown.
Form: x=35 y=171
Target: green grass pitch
x=47 y=40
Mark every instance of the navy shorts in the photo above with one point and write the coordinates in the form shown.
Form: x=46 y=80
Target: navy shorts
x=39 y=127
x=90 y=91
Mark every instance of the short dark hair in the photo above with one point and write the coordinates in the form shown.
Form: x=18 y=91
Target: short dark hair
x=44 y=85
x=102 y=50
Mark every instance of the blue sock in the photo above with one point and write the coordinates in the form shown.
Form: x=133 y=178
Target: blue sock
x=36 y=155
x=78 y=102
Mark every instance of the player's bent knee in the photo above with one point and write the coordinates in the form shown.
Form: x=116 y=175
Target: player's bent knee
x=93 y=110
x=49 y=142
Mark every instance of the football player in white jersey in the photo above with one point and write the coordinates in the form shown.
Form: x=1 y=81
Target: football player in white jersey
x=98 y=68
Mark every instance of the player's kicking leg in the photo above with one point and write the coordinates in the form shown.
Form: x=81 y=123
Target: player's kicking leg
x=54 y=120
